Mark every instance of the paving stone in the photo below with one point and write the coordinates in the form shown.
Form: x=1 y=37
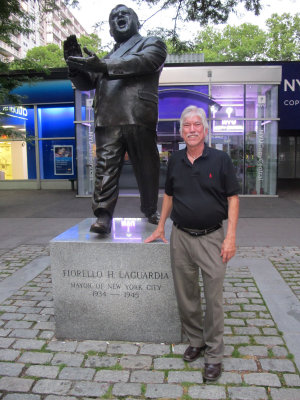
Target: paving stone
x=93 y=389
x=18 y=324
x=10 y=309
x=262 y=379
x=54 y=397
x=230 y=377
x=260 y=322
x=9 y=355
x=147 y=376
x=36 y=317
x=42 y=371
x=12 y=384
x=155 y=349
x=24 y=333
x=22 y=396
x=248 y=295
x=169 y=363
x=62 y=346
x=285 y=394
x=127 y=389
x=78 y=374
x=279 y=351
x=47 y=386
x=247 y=393
x=46 y=335
x=247 y=330
x=239 y=364
x=253 y=351
x=269 y=340
x=280 y=365
x=5 y=332
x=72 y=360
x=12 y=316
x=10 y=369
x=236 y=339
x=91 y=345
x=136 y=362
x=232 y=321
x=179 y=348
x=270 y=331
x=35 y=357
x=95 y=361
x=292 y=379
x=254 y=307
x=29 y=310
x=156 y=391
x=182 y=376
x=243 y=314
x=122 y=348
x=28 y=344
x=45 y=325
x=207 y=392
x=6 y=342
x=106 y=375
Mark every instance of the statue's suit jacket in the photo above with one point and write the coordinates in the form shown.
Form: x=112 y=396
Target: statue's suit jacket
x=128 y=93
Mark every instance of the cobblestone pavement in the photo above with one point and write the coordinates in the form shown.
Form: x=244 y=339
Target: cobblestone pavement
x=12 y=260
x=35 y=366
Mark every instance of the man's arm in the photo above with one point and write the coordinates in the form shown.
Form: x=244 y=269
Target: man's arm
x=159 y=232
x=228 y=247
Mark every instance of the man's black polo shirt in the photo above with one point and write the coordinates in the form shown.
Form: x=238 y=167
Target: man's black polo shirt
x=200 y=190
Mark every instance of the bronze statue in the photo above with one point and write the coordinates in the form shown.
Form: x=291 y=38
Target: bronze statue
x=126 y=111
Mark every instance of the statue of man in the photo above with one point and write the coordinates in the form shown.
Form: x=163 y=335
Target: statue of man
x=126 y=112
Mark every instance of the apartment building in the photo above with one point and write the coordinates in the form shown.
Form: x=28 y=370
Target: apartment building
x=46 y=28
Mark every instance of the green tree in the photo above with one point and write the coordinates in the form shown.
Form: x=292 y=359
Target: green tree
x=93 y=43
x=203 y=11
x=41 y=58
x=283 y=37
x=246 y=42
x=14 y=21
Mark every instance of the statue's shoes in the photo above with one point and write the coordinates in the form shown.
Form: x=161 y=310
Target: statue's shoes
x=154 y=218
x=102 y=225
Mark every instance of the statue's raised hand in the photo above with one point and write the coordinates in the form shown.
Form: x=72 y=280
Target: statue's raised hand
x=72 y=47
x=92 y=63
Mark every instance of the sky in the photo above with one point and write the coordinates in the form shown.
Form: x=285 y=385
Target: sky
x=93 y=11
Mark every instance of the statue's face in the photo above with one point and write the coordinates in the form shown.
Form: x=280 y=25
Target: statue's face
x=123 y=24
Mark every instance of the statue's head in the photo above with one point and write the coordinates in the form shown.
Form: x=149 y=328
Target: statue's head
x=123 y=23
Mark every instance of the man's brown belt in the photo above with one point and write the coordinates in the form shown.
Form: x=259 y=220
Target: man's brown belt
x=198 y=232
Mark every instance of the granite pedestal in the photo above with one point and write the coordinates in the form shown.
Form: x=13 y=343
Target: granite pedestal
x=114 y=287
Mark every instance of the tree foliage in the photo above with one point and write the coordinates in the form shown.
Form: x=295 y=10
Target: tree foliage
x=283 y=37
x=203 y=11
x=247 y=42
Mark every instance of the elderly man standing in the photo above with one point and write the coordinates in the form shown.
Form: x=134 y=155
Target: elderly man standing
x=126 y=111
x=201 y=191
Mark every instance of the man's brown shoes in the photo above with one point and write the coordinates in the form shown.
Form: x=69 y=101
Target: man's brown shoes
x=192 y=353
x=212 y=371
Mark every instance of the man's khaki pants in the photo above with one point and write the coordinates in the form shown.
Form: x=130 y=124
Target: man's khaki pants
x=188 y=255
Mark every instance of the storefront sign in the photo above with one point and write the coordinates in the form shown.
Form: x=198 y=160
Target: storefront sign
x=15 y=111
x=63 y=160
x=289 y=97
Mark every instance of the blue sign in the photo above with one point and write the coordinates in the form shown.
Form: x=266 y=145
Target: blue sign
x=289 y=96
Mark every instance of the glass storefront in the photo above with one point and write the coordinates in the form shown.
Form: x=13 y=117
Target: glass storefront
x=49 y=149
x=242 y=122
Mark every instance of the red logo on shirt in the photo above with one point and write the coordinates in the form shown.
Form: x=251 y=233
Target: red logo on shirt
x=210 y=175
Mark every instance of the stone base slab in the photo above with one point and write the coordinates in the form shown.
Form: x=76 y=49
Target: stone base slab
x=114 y=287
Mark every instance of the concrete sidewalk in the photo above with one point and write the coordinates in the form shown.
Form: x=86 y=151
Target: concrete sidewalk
x=262 y=314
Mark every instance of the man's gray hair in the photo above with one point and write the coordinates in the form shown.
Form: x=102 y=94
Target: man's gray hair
x=194 y=110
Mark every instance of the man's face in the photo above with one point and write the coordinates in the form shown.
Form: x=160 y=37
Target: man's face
x=123 y=24
x=193 y=131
